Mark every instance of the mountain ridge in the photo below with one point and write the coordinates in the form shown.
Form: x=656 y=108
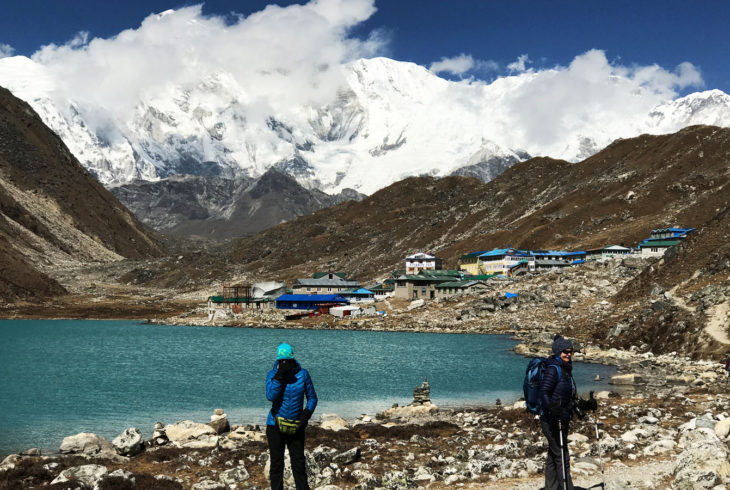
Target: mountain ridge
x=52 y=211
x=389 y=120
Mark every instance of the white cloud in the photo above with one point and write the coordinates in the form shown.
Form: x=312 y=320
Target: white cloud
x=458 y=65
x=542 y=111
x=281 y=56
x=6 y=50
x=520 y=65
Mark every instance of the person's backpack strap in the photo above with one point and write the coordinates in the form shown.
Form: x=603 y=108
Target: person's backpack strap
x=560 y=373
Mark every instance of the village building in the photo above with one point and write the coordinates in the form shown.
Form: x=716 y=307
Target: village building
x=360 y=295
x=451 y=288
x=655 y=248
x=422 y=262
x=236 y=298
x=608 y=252
x=550 y=259
x=469 y=263
x=323 y=283
x=670 y=233
x=421 y=286
x=314 y=302
x=352 y=311
x=662 y=239
x=506 y=261
x=383 y=291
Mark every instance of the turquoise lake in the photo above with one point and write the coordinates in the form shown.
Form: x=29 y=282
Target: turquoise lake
x=62 y=377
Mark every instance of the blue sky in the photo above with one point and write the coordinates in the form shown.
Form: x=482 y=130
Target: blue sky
x=492 y=35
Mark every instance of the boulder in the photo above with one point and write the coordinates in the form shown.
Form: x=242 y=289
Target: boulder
x=703 y=463
x=192 y=434
x=347 y=457
x=415 y=304
x=409 y=411
x=243 y=434
x=235 y=477
x=88 y=474
x=722 y=428
x=129 y=442
x=87 y=443
x=219 y=422
x=10 y=462
x=627 y=379
x=209 y=485
x=333 y=422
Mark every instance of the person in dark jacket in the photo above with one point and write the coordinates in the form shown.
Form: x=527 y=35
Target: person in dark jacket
x=286 y=386
x=559 y=397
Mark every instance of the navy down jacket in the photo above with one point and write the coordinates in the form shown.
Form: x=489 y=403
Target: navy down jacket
x=560 y=389
x=288 y=399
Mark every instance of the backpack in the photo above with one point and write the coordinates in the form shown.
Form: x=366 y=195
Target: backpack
x=533 y=380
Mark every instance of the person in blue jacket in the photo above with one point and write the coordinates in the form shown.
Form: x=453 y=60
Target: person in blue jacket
x=286 y=386
x=559 y=398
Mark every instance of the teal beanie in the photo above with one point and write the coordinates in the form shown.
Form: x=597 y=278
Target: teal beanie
x=284 y=351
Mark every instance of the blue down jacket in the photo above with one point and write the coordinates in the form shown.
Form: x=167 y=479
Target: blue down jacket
x=288 y=399
x=560 y=389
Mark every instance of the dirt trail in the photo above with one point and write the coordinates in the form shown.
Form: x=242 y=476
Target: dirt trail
x=717 y=324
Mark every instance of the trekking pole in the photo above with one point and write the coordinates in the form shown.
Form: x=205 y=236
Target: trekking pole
x=562 y=453
x=600 y=452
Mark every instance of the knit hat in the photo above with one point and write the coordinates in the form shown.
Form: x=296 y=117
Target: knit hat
x=284 y=351
x=560 y=344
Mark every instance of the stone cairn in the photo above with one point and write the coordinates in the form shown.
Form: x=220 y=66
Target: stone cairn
x=422 y=394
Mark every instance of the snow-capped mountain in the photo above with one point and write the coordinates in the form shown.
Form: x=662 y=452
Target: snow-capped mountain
x=388 y=120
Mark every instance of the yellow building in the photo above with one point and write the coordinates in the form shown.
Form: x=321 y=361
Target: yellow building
x=469 y=263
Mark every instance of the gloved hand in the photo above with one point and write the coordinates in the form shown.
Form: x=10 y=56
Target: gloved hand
x=554 y=411
x=306 y=415
x=588 y=405
x=283 y=370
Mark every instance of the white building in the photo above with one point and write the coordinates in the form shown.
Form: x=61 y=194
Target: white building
x=422 y=261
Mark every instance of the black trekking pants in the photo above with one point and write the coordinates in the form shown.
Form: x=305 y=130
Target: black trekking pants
x=277 y=443
x=553 y=464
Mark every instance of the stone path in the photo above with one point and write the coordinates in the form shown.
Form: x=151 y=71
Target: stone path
x=718 y=323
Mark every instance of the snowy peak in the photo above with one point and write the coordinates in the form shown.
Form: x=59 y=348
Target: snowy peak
x=386 y=121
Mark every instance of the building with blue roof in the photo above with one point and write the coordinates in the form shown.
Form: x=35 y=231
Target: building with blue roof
x=506 y=261
x=662 y=239
x=320 y=302
x=360 y=295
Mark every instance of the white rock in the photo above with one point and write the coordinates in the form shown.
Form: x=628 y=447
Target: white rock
x=415 y=304
x=577 y=438
x=88 y=474
x=627 y=379
x=86 y=443
x=191 y=434
x=129 y=442
x=333 y=422
x=659 y=447
x=233 y=477
x=722 y=428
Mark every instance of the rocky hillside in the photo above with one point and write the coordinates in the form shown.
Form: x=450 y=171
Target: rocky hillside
x=220 y=208
x=52 y=211
x=615 y=197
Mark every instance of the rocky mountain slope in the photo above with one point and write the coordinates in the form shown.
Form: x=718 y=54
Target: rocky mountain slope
x=617 y=196
x=220 y=208
x=52 y=211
